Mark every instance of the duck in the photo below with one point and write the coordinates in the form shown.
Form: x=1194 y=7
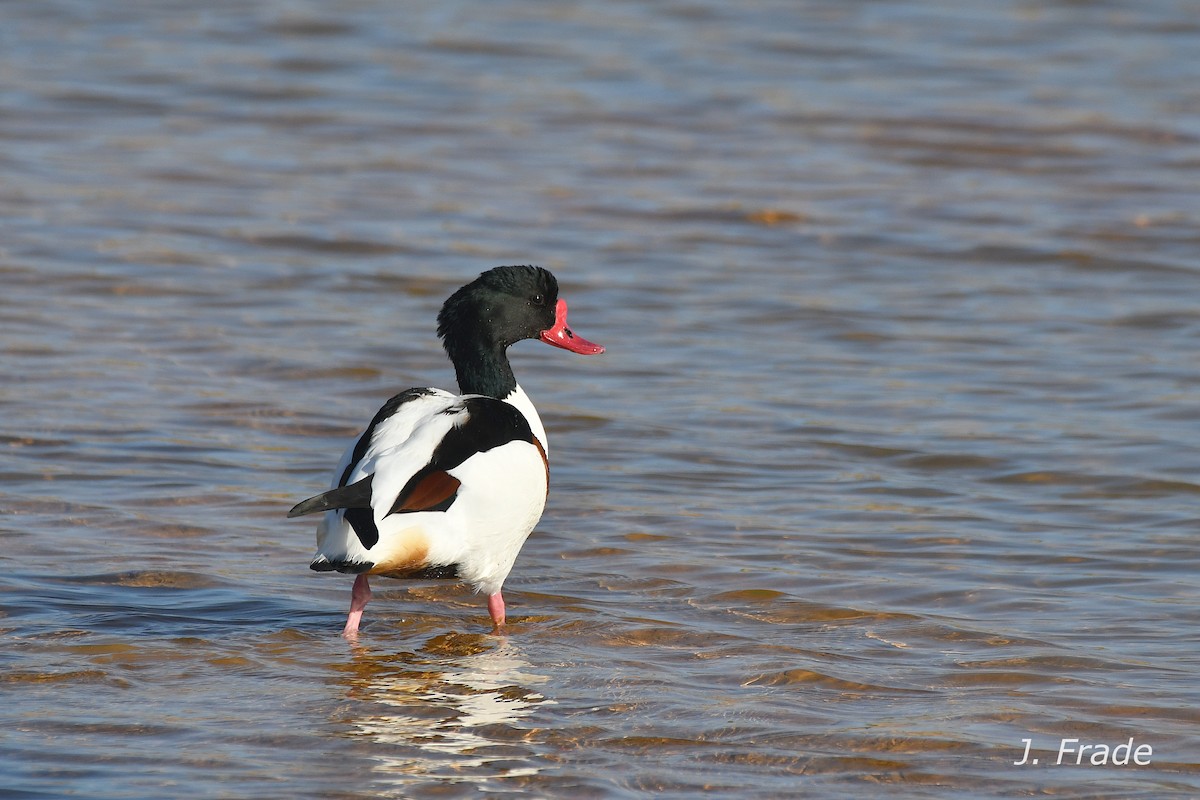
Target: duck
x=449 y=486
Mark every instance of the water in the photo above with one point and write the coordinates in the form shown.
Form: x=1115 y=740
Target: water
x=889 y=467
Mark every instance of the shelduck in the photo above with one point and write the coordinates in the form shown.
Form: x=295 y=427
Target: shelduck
x=449 y=486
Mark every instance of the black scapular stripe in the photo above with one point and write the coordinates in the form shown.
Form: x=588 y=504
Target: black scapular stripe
x=490 y=423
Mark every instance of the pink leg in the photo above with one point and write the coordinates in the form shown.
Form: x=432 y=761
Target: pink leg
x=496 y=608
x=360 y=595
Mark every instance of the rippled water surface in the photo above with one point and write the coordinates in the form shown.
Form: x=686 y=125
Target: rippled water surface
x=890 y=466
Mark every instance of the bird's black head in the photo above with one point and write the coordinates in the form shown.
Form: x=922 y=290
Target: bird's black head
x=500 y=308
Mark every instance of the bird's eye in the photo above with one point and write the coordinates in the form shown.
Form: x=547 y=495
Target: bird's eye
x=539 y=300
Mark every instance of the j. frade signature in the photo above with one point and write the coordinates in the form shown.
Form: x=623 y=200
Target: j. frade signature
x=1073 y=752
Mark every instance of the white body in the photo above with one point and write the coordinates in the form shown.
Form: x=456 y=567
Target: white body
x=500 y=500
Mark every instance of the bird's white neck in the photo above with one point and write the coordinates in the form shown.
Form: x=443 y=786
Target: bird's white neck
x=520 y=401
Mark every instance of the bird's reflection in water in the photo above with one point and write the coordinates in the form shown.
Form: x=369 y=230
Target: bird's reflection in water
x=448 y=712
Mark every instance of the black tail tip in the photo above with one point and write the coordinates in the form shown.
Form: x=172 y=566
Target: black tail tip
x=305 y=507
x=322 y=564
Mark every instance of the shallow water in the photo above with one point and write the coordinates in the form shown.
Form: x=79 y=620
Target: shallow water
x=890 y=465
